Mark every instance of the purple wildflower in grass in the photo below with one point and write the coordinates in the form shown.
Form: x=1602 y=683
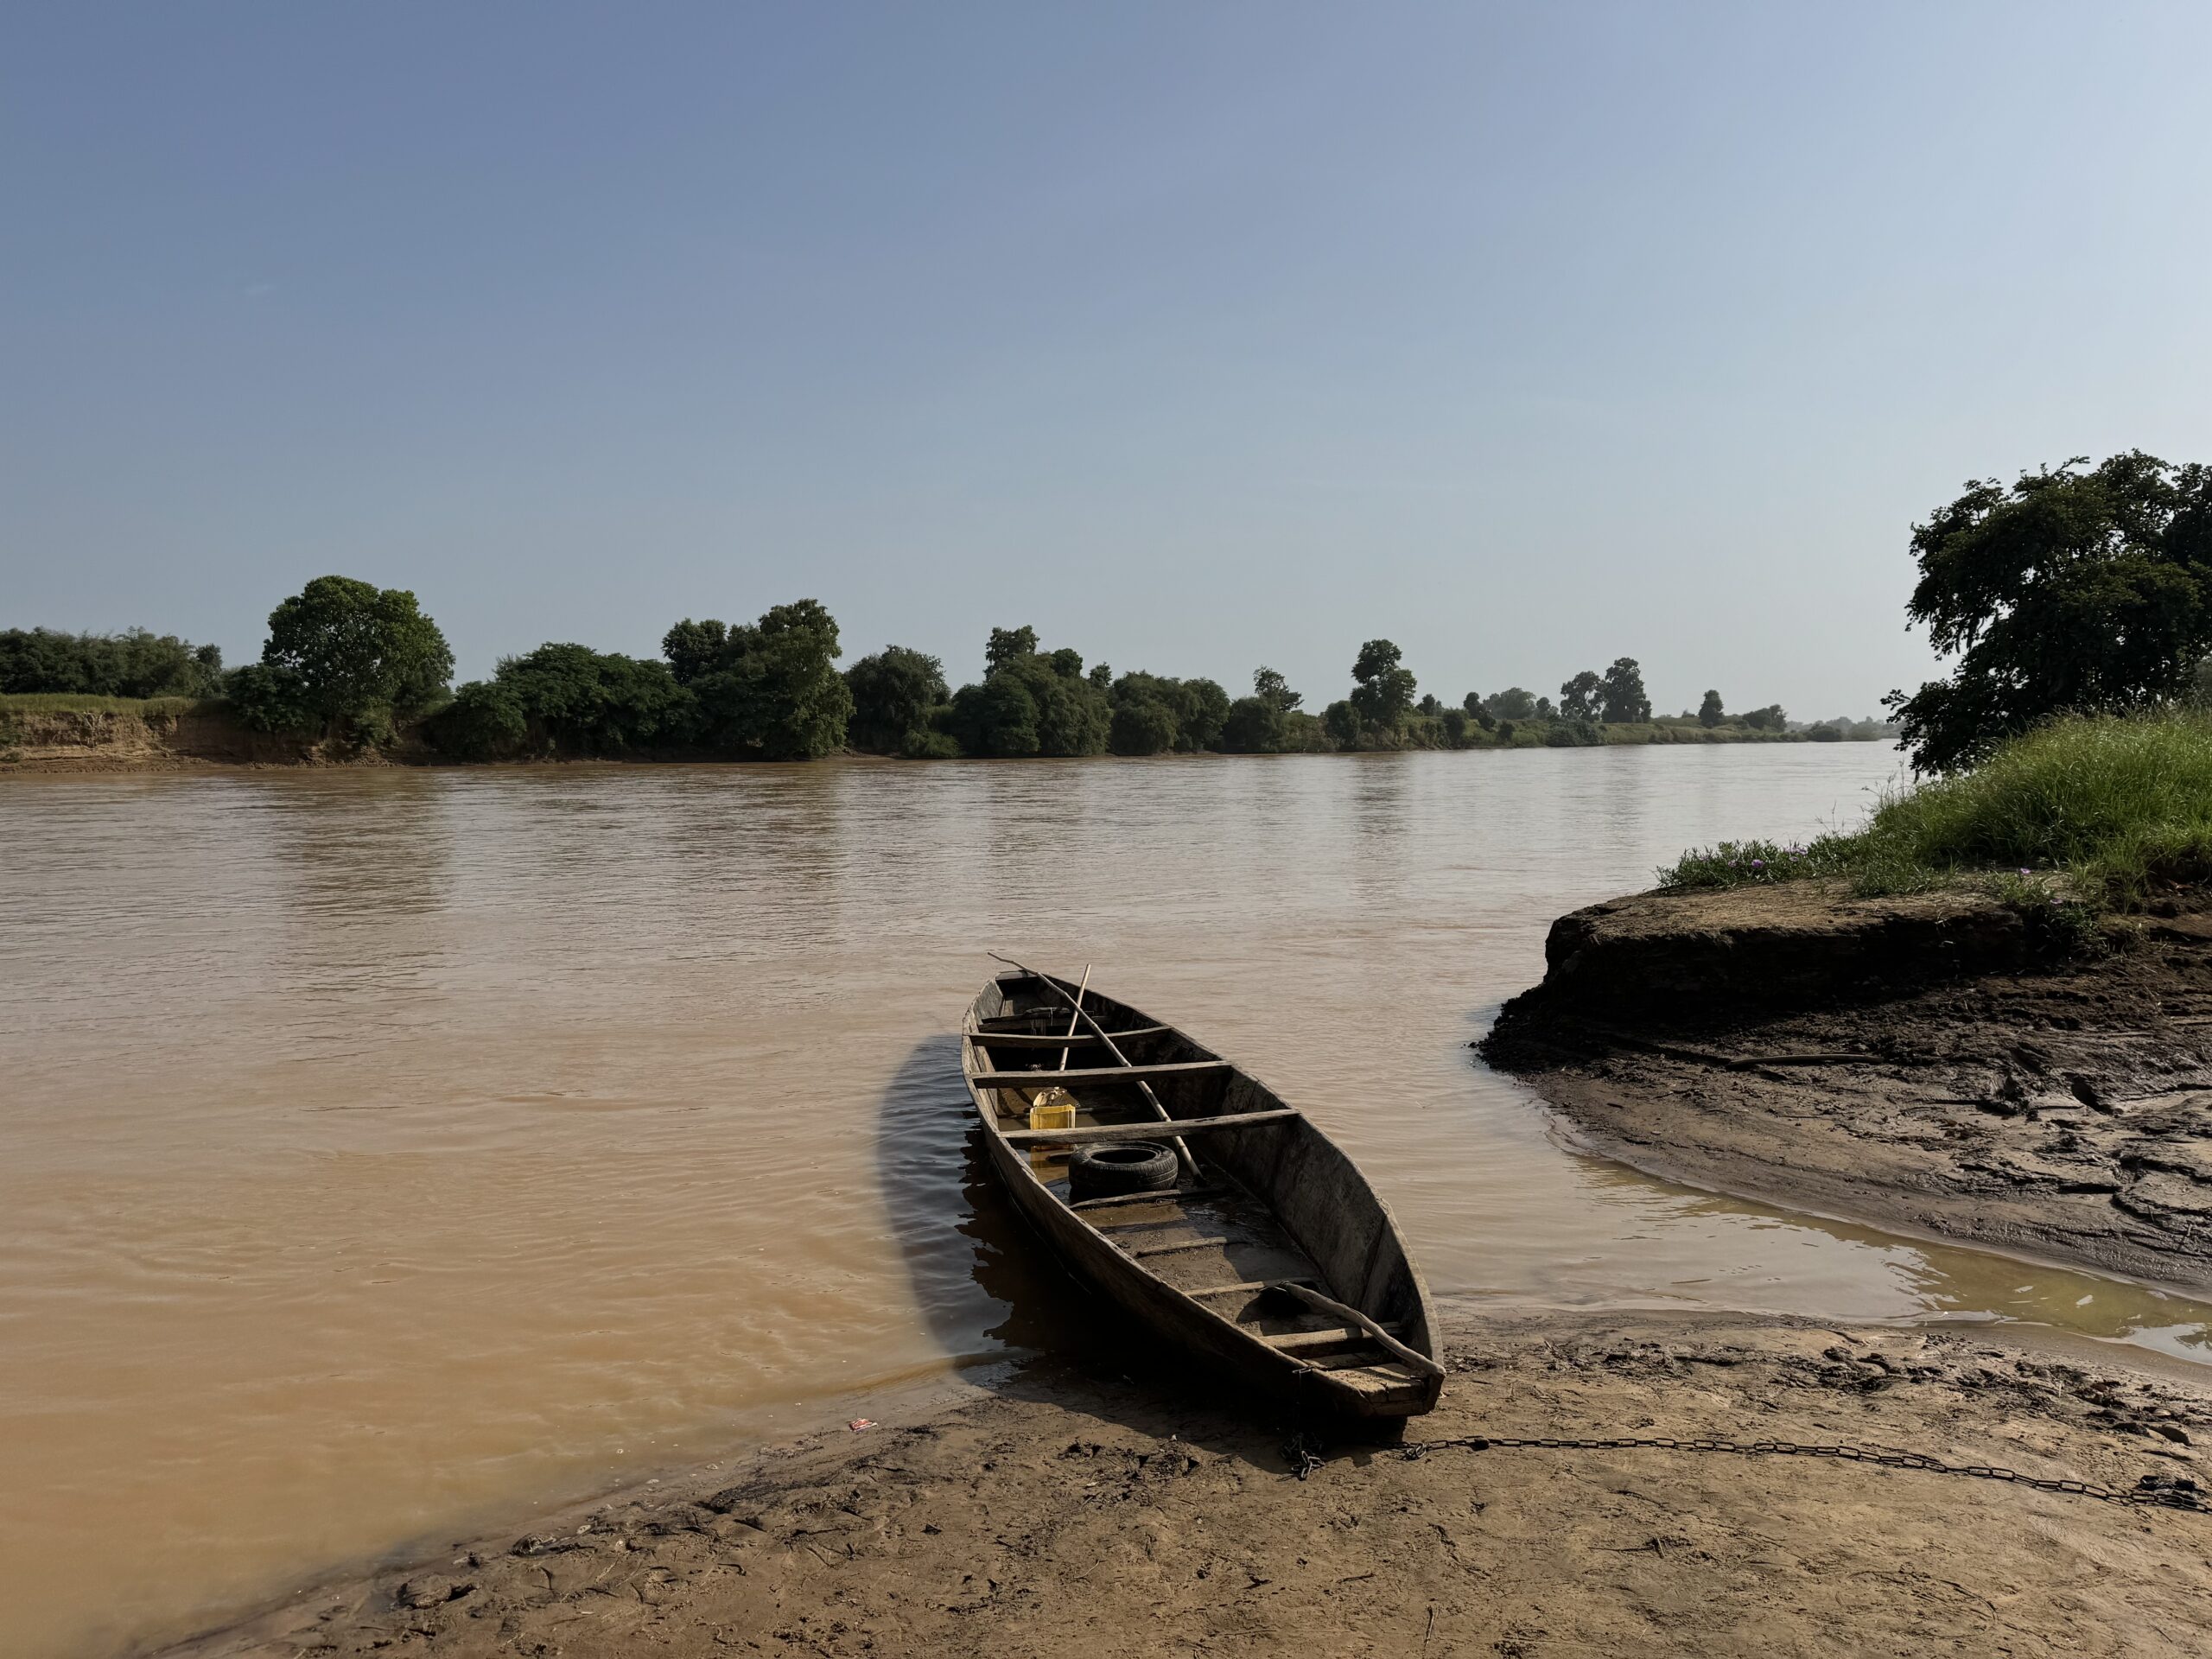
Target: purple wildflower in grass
x=1758 y=863
x=2027 y=872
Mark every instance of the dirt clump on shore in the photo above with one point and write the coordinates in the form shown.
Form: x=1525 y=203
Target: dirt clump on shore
x=1933 y=1062
x=1054 y=1514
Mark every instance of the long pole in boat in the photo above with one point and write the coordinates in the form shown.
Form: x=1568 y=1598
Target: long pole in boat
x=1075 y=1015
x=1113 y=1049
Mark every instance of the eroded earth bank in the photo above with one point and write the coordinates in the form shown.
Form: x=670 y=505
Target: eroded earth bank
x=1054 y=1514
x=1933 y=1062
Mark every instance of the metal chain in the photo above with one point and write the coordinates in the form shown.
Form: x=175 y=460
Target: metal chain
x=2153 y=1491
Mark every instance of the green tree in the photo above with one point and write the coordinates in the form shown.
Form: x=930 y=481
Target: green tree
x=1769 y=719
x=1203 y=711
x=358 y=655
x=770 y=689
x=1582 y=697
x=137 y=663
x=1148 y=714
x=897 y=694
x=582 y=701
x=1543 y=711
x=1709 y=713
x=694 y=649
x=1032 y=702
x=2072 y=589
x=269 y=699
x=1341 y=721
x=1622 y=700
x=484 y=721
x=998 y=717
x=1006 y=645
x=1253 y=726
x=568 y=700
x=1272 y=690
x=1260 y=723
x=1512 y=704
x=1382 y=693
x=1143 y=724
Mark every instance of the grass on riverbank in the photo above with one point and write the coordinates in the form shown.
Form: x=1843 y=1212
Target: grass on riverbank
x=2095 y=811
x=72 y=703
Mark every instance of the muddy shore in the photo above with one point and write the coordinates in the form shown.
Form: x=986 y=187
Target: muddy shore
x=1929 y=1063
x=1053 y=1513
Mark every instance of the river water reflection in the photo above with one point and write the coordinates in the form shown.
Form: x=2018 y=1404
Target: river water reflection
x=382 y=1151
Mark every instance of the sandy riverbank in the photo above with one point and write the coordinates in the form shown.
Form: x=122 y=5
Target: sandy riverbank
x=201 y=738
x=1920 y=1063
x=1054 y=1513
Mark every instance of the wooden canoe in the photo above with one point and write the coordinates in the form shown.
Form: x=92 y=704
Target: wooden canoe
x=1272 y=1262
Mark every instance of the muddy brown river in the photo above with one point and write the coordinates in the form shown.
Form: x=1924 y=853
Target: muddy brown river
x=384 y=1152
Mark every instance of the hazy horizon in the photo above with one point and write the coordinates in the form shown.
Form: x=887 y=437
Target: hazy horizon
x=1195 y=338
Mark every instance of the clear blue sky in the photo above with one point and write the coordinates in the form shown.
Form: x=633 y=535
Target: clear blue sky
x=1198 y=336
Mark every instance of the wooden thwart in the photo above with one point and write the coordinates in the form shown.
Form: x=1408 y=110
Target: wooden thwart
x=1290 y=1341
x=1083 y=1074
x=1183 y=1158
x=1175 y=1127
x=1385 y=1370
x=1053 y=1039
x=1187 y=1244
x=1250 y=1288
x=1314 y=1299
x=1114 y=1199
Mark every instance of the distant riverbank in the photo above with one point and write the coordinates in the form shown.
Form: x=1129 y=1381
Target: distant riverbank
x=46 y=734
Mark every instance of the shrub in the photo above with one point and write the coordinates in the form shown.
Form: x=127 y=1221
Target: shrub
x=765 y=691
x=1578 y=732
x=1254 y=725
x=998 y=717
x=2111 y=806
x=578 y=701
x=1341 y=721
x=1142 y=725
x=895 y=694
x=930 y=745
x=484 y=721
x=134 y=663
x=1033 y=702
x=266 y=699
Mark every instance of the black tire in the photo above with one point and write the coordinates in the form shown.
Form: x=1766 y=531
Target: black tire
x=1130 y=1166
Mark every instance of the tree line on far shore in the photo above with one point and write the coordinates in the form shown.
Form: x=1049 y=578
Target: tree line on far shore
x=352 y=664
x=2074 y=590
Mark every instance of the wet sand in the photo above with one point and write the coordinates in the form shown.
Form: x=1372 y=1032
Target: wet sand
x=1055 y=1511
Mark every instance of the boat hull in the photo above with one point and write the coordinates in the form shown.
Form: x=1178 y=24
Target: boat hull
x=1310 y=1189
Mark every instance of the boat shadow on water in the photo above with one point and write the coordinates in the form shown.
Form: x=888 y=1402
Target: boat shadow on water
x=998 y=1301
